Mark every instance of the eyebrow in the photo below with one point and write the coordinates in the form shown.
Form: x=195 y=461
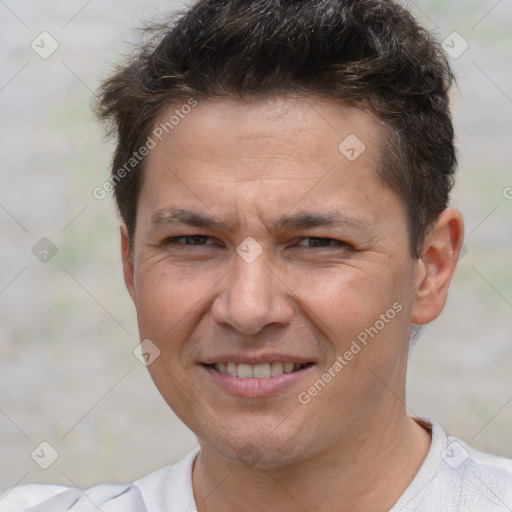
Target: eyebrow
x=306 y=220
x=302 y=220
x=186 y=217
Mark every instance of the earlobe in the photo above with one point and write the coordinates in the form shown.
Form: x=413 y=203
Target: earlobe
x=437 y=266
x=128 y=267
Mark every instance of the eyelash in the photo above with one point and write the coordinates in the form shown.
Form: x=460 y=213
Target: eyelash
x=173 y=239
x=336 y=243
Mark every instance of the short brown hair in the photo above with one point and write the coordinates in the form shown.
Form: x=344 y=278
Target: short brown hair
x=366 y=53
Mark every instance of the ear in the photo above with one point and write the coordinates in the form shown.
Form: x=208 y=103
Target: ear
x=437 y=265
x=128 y=268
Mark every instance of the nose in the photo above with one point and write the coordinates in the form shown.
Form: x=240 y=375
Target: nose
x=254 y=296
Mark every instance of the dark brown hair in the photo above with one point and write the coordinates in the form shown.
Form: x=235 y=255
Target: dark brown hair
x=366 y=53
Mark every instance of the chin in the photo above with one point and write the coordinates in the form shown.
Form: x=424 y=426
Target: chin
x=257 y=448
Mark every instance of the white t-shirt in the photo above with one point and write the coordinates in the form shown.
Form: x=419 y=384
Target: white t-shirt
x=452 y=478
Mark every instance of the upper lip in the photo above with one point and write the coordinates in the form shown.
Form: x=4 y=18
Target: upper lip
x=257 y=358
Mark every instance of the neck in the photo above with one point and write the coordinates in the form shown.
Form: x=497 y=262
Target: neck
x=366 y=471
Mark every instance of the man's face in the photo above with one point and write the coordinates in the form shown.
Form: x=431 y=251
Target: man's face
x=327 y=260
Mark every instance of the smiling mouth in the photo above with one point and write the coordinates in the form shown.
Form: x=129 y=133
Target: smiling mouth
x=258 y=371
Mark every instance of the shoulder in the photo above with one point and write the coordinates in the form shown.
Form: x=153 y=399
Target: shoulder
x=41 y=498
x=455 y=477
x=169 y=488
x=485 y=459
x=20 y=498
x=468 y=479
x=491 y=471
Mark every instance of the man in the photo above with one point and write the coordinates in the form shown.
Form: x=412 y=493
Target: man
x=282 y=172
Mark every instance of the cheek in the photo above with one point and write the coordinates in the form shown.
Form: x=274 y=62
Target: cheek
x=167 y=300
x=347 y=306
x=346 y=299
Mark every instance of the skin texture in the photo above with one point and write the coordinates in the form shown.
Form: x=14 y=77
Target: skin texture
x=352 y=447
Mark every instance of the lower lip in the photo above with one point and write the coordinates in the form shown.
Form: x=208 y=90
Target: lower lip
x=255 y=388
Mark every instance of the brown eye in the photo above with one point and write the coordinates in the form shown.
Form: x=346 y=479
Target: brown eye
x=317 y=242
x=188 y=240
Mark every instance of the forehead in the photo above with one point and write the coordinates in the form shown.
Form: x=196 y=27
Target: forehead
x=297 y=127
x=277 y=151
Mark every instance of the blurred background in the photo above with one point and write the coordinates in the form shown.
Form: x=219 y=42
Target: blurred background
x=68 y=375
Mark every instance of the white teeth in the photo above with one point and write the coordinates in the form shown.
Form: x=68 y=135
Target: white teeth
x=276 y=369
x=257 y=371
x=261 y=371
x=231 y=369
x=244 y=371
x=288 y=367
